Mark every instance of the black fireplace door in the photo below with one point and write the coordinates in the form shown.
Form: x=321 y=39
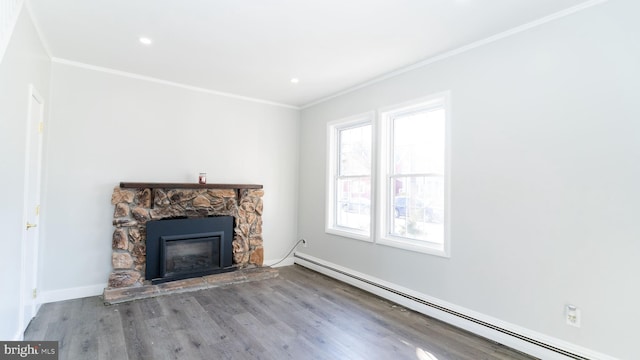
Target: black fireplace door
x=184 y=248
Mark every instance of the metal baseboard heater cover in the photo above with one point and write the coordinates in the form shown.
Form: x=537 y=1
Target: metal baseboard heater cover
x=451 y=312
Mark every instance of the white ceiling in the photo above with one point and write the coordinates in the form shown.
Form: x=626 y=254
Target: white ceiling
x=253 y=48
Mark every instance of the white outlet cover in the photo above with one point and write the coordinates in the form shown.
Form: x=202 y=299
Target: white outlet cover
x=575 y=322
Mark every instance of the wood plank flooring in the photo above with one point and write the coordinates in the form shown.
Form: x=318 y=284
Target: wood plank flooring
x=299 y=315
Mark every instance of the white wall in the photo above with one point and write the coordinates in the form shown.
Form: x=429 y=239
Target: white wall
x=545 y=179
x=25 y=62
x=108 y=128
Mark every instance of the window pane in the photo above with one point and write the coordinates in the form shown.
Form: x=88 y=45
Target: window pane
x=418 y=207
x=355 y=151
x=353 y=202
x=418 y=143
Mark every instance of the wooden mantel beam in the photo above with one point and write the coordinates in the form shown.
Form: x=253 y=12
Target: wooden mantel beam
x=151 y=185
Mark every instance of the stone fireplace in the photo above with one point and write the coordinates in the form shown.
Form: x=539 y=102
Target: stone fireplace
x=138 y=203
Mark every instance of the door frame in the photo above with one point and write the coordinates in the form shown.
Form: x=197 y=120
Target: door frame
x=29 y=255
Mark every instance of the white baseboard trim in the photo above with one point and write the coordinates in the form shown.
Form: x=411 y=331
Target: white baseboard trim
x=71 y=293
x=286 y=262
x=94 y=290
x=514 y=336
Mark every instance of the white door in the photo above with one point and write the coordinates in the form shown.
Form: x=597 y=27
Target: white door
x=31 y=211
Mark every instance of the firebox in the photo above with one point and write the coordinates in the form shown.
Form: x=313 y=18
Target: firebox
x=184 y=248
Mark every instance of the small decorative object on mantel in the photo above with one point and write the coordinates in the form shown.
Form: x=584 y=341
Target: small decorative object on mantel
x=202 y=179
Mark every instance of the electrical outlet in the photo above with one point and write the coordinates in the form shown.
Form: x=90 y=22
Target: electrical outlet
x=572 y=315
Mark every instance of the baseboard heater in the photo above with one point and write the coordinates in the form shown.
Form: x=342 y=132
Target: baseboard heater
x=451 y=312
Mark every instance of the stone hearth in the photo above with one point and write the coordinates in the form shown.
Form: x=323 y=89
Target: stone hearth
x=137 y=203
x=119 y=295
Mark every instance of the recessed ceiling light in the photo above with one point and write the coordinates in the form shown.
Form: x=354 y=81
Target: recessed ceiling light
x=295 y=80
x=145 y=40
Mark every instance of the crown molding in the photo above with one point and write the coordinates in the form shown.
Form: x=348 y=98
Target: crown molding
x=169 y=83
x=462 y=49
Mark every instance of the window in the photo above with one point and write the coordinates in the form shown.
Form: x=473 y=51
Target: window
x=349 y=186
x=413 y=167
x=404 y=197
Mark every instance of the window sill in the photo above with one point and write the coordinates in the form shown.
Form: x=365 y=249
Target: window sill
x=416 y=246
x=362 y=236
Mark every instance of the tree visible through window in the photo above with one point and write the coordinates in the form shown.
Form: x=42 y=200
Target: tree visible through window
x=406 y=200
x=413 y=176
x=349 y=205
x=416 y=175
x=353 y=188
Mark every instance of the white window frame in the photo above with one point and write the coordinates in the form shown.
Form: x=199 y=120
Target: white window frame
x=333 y=153
x=385 y=152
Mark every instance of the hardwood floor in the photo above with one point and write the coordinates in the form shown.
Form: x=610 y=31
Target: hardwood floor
x=299 y=315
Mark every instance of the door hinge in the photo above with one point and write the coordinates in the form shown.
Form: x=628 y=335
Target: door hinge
x=37 y=210
x=40 y=127
x=35 y=293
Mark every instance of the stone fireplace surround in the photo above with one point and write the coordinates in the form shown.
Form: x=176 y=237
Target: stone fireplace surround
x=137 y=203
